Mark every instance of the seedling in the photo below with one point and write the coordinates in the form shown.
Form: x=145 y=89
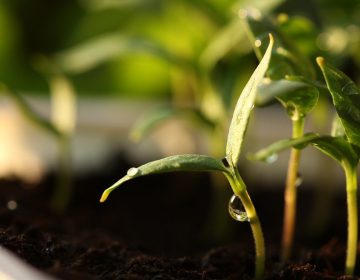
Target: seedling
x=228 y=165
x=343 y=146
x=61 y=127
x=296 y=96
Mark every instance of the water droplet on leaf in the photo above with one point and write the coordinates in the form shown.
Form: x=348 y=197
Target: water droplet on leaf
x=236 y=209
x=272 y=158
x=132 y=171
x=298 y=180
x=257 y=43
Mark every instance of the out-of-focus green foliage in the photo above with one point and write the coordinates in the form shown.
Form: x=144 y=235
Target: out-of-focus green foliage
x=207 y=33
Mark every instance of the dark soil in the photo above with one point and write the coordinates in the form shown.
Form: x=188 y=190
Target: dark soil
x=155 y=228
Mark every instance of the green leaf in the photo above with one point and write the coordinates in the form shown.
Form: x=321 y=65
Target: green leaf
x=155 y=118
x=339 y=149
x=28 y=112
x=346 y=99
x=95 y=51
x=300 y=102
x=226 y=39
x=150 y=121
x=296 y=96
x=335 y=147
x=173 y=163
x=337 y=129
x=287 y=59
x=310 y=82
x=244 y=107
x=267 y=153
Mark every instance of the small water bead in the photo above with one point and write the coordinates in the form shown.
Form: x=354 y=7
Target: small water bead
x=298 y=180
x=132 y=171
x=236 y=209
x=257 y=43
x=272 y=158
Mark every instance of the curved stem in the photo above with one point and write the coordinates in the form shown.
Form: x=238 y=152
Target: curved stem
x=352 y=238
x=239 y=188
x=290 y=195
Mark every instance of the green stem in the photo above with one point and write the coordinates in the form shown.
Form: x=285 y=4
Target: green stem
x=290 y=195
x=351 y=193
x=63 y=184
x=239 y=189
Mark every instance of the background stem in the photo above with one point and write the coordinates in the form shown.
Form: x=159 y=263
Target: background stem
x=351 y=194
x=290 y=195
x=63 y=184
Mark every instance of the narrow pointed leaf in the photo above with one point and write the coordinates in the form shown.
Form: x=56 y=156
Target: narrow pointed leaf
x=300 y=102
x=28 y=112
x=145 y=125
x=346 y=99
x=335 y=147
x=155 y=118
x=226 y=39
x=301 y=95
x=281 y=145
x=95 y=51
x=244 y=107
x=190 y=162
x=287 y=59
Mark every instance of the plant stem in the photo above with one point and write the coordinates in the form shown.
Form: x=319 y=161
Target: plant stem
x=290 y=195
x=351 y=193
x=63 y=184
x=239 y=189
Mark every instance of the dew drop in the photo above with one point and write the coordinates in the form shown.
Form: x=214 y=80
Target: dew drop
x=132 y=171
x=272 y=158
x=257 y=43
x=236 y=209
x=12 y=205
x=298 y=180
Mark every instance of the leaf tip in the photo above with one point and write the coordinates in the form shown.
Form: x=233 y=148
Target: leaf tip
x=271 y=38
x=104 y=196
x=320 y=61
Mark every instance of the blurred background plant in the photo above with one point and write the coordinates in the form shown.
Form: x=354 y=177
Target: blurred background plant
x=192 y=56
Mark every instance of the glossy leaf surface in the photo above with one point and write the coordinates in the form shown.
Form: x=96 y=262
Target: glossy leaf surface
x=287 y=59
x=335 y=147
x=297 y=97
x=189 y=162
x=244 y=107
x=346 y=99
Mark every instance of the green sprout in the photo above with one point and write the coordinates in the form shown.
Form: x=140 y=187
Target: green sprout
x=295 y=93
x=202 y=89
x=228 y=165
x=343 y=146
x=61 y=127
